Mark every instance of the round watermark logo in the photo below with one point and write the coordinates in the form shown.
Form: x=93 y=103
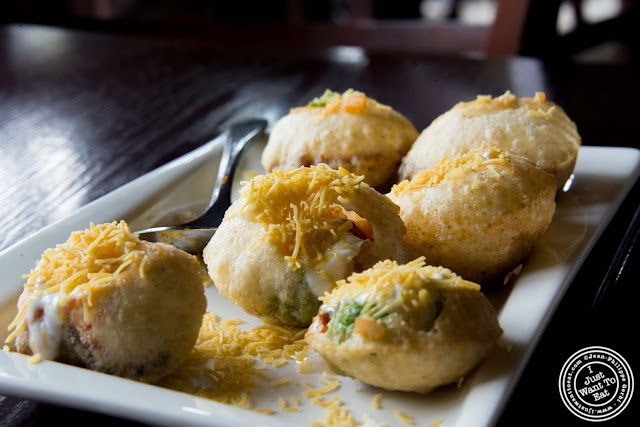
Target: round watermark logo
x=596 y=383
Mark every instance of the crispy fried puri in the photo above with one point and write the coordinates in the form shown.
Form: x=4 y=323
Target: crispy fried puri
x=478 y=214
x=348 y=130
x=293 y=233
x=405 y=327
x=136 y=319
x=531 y=127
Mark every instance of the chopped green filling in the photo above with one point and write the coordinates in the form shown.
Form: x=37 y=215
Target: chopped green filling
x=327 y=98
x=317 y=102
x=291 y=304
x=340 y=326
x=377 y=309
x=412 y=308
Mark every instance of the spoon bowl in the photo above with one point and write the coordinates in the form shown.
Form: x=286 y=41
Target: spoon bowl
x=193 y=236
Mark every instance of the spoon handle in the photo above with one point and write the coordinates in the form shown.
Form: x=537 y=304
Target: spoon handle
x=238 y=138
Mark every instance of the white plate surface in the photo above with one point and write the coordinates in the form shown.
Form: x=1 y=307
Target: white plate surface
x=603 y=176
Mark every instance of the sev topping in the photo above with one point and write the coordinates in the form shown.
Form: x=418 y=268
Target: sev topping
x=504 y=101
x=82 y=267
x=451 y=169
x=540 y=97
x=389 y=286
x=223 y=365
x=350 y=101
x=297 y=208
x=372 y=302
x=509 y=100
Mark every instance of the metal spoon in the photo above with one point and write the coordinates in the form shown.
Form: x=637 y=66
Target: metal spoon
x=193 y=236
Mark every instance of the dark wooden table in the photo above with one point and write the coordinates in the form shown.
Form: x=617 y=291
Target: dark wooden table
x=82 y=113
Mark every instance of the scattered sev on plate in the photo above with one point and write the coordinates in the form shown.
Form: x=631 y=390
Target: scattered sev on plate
x=228 y=363
x=406 y=419
x=224 y=363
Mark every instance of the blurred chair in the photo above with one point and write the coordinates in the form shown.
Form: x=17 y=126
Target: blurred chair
x=507 y=30
x=292 y=23
x=363 y=27
x=383 y=26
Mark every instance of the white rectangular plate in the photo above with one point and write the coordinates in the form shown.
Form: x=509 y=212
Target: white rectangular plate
x=603 y=176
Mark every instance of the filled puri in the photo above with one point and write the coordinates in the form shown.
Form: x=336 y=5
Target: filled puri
x=107 y=301
x=348 y=130
x=532 y=127
x=478 y=214
x=407 y=327
x=293 y=233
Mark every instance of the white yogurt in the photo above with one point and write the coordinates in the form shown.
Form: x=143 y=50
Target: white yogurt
x=43 y=324
x=336 y=265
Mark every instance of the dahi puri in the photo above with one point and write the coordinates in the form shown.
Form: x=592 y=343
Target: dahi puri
x=478 y=214
x=292 y=233
x=531 y=127
x=348 y=130
x=405 y=327
x=106 y=301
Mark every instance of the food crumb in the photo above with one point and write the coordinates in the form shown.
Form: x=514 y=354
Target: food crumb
x=305 y=367
x=506 y=345
x=266 y=411
x=283 y=381
x=244 y=398
x=36 y=358
x=329 y=376
x=369 y=421
x=405 y=418
x=377 y=401
x=317 y=400
x=336 y=414
x=284 y=406
x=329 y=388
x=512 y=274
x=279 y=362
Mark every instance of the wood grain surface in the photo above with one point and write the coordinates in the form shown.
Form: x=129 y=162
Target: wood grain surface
x=82 y=113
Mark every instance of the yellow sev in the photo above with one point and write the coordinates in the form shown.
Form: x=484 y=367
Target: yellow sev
x=376 y=401
x=296 y=207
x=82 y=267
x=223 y=364
x=507 y=101
x=350 y=101
x=223 y=367
x=449 y=169
x=406 y=419
x=336 y=415
x=389 y=287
